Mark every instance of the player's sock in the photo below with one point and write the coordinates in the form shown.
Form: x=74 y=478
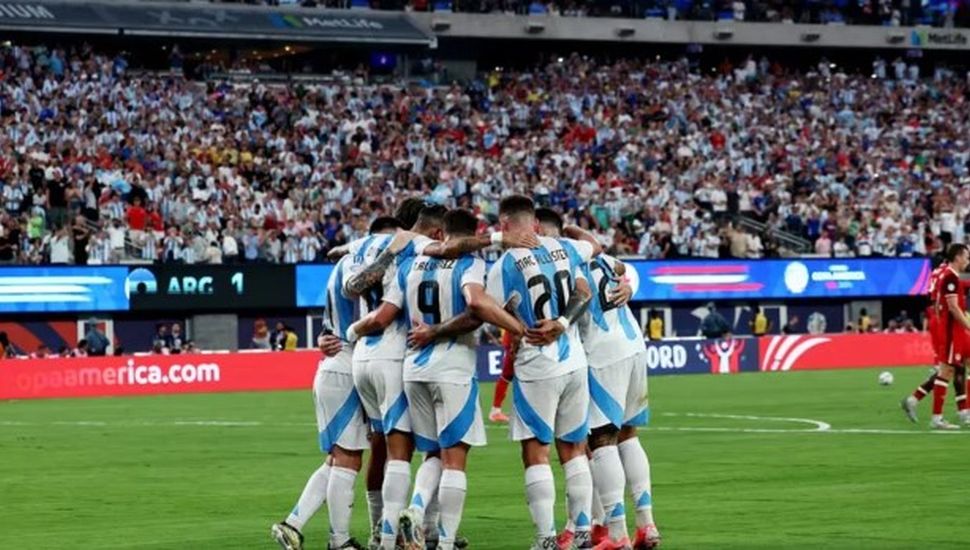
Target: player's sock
x=636 y=467
x=579 y=492
x=598 y=516
x=452 y=491
x=540 y=492
x=375 y=507
x=397 y=481
x=939 y=396
x=608 y=478
x=501 y=389
x=960 y=390
x=925 y=388
x=313 y=496
x=340 y=500
x=431 y=515
x=426 y=484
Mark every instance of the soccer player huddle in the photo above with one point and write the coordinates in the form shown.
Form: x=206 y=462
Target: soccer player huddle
x=402 y=308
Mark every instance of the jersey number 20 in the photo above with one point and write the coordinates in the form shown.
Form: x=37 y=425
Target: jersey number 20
x=561 y=280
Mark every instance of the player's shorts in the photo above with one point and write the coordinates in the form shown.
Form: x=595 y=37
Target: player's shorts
x=554 y=408
x=957 y=346
x=381 y=390
x=341 y=420
x=444 y=414
x=618 y=393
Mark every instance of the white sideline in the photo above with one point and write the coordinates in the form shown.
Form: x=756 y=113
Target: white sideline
x=817 y=426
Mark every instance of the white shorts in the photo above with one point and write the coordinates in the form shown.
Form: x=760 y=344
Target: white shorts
x=618 y=393
x=381 y=390
x=554 y=408
x=444 y=414
x=340 y=415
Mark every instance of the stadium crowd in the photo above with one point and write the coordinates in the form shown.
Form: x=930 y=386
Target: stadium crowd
x=938 y=13
x=100 y=165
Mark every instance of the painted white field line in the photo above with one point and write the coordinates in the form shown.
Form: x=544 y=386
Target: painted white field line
x=818 y=425
x=815 y=426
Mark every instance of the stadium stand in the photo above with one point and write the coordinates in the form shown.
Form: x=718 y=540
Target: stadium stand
x=937 y=13
x=104 y=164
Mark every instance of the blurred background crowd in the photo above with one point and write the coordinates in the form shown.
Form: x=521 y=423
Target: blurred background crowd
x=101 y=163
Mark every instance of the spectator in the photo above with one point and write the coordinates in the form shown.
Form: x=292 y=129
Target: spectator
x=177 y=339
x=162 y=340
x=59 y=246
x=279 y=336
x=865 y=321
x=760 y=324
x=290 y=340
x=261 y=337
x=655 y=326
x=97 y=342
x=714 y=325
x=793 y=326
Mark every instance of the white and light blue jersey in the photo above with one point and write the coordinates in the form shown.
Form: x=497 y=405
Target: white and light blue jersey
x=392 y=341
x=339 y=311
x=610 y=334
x=431 y=290
x=544 y=277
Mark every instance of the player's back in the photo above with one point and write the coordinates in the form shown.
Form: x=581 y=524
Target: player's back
x=609 y=333
x=545 y=278
x=432 y=292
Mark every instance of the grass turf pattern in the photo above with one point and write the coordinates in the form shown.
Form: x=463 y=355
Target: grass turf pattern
x=214 y=471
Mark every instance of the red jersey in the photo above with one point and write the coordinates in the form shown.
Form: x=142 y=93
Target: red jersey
x=952 y=336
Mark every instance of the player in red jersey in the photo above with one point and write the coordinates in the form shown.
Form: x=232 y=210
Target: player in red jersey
x=938 y=341
x=953 y=327
x=502 y=386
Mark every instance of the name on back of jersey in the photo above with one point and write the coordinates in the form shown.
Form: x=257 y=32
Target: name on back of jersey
x=542 y=257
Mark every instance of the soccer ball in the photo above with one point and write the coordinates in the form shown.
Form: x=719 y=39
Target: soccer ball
x=885 y=378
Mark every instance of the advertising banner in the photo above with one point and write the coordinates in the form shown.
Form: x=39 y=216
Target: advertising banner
x=665 y=281
x=210 y=287
x=156 y=374
x=686 y=356
x=211 y=21
x=728 y=356
x=311 y=285
x=844 y=351
x=62 y=289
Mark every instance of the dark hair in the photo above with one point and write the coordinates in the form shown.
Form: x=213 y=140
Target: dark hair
x=955 y=250
x=408 y=211
x=383 y=223
x=516 y=204
x=550 y=217
x=431 y=216
x=460 y=222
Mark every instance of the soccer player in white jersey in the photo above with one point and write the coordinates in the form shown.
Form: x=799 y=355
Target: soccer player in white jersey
x=360 y=254
x=550 y=394
x=439 y=376
x=379 y=357
x=342 y=429
x=616 y=353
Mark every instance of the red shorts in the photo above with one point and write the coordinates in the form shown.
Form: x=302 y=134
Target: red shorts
x=957 y=346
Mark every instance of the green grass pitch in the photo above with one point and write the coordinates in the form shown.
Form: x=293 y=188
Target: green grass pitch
x=214 y=471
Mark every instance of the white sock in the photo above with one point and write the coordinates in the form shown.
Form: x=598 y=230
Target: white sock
x=397 y=482
x=637 y=470
x=599 y=517
x=452 y=491
x=579 y=492
x=426 y=485
x=340 y=501
x=607 y=473
x=314 y=495
x=540 y=492
x=431 y=514
x=375 y=506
